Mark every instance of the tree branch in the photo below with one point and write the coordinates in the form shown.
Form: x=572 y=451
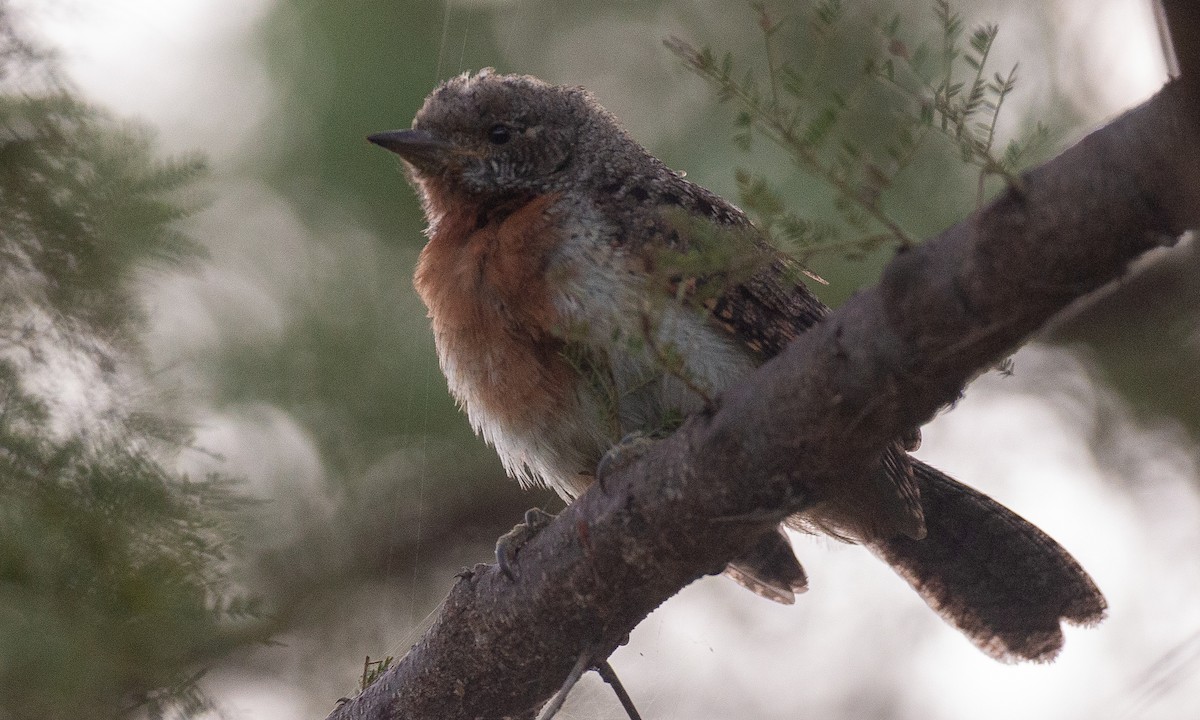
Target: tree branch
x=1183 y=28
x=885 y=362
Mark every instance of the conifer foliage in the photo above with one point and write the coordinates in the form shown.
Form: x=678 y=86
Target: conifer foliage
x=114 y=588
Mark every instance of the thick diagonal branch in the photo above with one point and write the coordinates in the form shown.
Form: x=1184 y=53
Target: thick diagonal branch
x=823 y=410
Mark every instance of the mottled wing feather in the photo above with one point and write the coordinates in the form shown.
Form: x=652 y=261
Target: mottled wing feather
x=764 y=313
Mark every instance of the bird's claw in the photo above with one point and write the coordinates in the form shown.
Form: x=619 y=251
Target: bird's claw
x=630 y=448
x=511 y=542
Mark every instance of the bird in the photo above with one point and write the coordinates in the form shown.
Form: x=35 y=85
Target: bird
x=584 y=298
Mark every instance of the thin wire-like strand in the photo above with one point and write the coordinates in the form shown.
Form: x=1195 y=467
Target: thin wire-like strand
x=610 y=676
x=560 y=697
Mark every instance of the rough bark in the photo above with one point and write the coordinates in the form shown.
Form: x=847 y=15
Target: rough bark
x=883 y=363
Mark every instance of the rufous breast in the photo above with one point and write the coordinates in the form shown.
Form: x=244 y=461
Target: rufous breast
x=483 y=277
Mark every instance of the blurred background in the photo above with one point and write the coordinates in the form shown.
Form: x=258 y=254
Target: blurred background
x=207 y=288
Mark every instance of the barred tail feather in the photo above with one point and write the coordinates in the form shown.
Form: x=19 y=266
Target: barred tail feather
x=993 y=575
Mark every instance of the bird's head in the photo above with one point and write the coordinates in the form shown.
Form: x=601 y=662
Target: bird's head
x=490 y=136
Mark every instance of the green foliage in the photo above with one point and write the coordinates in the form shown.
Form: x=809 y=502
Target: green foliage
x=712 y=258
x=84 y=206
x=373 y=669
x=114 y=568
x=964 y=111
x=858 y=136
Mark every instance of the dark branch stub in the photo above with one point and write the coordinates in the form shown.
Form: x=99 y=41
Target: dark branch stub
x=610 y=676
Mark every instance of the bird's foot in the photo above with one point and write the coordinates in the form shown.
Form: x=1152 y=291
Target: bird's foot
x=629 y=449
x=511 y=542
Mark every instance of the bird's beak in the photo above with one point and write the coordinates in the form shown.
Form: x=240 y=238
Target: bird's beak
x=418 y=147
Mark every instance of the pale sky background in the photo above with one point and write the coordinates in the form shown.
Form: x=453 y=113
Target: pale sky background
x=714 y=651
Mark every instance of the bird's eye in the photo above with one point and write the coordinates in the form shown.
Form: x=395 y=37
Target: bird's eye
x=499 y=134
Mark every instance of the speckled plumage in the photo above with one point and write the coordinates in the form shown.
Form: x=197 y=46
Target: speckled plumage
x=618 y=302
x=580 y=290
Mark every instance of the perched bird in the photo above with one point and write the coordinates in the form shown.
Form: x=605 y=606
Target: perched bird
x=581 y=291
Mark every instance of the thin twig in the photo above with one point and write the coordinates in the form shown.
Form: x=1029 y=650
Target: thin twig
x=610 y=676
x=560 y=697
x=781 y=132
